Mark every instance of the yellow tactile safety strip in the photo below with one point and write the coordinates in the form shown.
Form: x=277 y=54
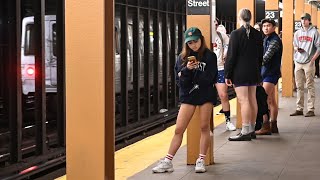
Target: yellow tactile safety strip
x=138 y=156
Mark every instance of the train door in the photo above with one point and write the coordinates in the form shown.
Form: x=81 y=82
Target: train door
x=52 y=63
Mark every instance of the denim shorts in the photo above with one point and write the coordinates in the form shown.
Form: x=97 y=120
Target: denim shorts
x=220 y=78
x=271 y=79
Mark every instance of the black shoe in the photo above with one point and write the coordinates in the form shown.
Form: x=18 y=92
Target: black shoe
x=309 y=114
x=241 y=137
x=297 y=113
x=220 y=112
x=253 y=135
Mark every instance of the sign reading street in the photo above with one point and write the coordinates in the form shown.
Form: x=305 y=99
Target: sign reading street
x=198 y=7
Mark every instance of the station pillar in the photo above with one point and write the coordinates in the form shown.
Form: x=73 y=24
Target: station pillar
x=89 y=40
x=251 y=5
x=307 y=7
x=198 y=16
x=314 y=15
x=318 y=18
x=287 y=40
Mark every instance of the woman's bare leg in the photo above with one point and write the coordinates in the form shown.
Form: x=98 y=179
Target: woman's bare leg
x=205 y=116
x=184 y=116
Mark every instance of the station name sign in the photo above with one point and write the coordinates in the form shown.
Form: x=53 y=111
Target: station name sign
x=198 y=7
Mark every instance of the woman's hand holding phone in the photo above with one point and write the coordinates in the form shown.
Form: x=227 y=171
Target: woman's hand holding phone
x=192 y=62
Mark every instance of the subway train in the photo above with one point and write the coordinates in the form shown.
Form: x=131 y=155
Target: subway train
x=28 y=59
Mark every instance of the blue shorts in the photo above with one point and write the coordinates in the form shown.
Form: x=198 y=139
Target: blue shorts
x=220 y=78
x=271 y=79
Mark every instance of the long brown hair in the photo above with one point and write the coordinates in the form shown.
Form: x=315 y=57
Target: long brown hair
x=186 y=51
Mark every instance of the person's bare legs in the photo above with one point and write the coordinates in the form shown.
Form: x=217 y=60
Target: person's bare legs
x=273 y=107
x=205 y=116
x=246 y=114
x=184 y=116
x=253 y=107
x=243 y=98
x=222 y=89
x=205 y=111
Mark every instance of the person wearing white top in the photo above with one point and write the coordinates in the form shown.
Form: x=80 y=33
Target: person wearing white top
x=220 y=48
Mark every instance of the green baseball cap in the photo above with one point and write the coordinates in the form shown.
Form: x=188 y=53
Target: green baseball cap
x=306 y=16
x=192 y=34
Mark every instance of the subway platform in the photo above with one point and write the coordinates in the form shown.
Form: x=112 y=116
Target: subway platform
x=292 y=154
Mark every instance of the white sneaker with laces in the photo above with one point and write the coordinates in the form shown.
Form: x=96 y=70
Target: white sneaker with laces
x=200 y=167
x=230 y=126
x=163 y=166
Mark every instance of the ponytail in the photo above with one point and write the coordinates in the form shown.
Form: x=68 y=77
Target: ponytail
x=247 y=26
x=245 y=15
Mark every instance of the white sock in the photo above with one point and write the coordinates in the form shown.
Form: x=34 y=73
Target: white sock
x=168 y=158
x=251 y=127
x=245 y=129
x=202 y=156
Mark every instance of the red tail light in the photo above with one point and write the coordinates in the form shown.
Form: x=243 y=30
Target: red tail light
x=30 y=71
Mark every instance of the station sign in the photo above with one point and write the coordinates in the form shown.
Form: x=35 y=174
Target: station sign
x=297 y=25
x=198 y=7
x=273 y=14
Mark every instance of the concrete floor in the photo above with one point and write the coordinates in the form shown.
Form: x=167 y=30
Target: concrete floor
x=293 y=154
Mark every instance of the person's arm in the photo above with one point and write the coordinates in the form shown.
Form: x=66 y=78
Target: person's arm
x=226 y=44
x=231 y=56
x=183 y=74
x=206 y=74
x=274 y=46
x=295 y=41
x=316 y=43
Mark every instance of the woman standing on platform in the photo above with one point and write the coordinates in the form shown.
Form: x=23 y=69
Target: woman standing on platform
x=242 y=70
x=196 y=71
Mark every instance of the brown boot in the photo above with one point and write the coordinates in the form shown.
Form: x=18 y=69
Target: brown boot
x=274 y=127
x=265 y=129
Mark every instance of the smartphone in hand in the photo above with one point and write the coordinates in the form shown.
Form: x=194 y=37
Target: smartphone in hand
x=192 y=59
x=300 y=50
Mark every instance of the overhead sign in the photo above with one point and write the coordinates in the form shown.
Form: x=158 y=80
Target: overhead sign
x=273 y=14
x=198 y=7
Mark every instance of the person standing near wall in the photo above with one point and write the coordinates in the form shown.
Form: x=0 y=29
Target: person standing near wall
x=196 y=73
x=242 y=70
x=306 y=44
x=220 y=48
x=270 y=72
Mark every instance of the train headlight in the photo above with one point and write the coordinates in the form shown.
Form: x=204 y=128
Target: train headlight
x=30 y=71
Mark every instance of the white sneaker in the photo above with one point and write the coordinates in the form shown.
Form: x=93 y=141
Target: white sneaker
x=200 y=167
x=230 y=126
x=163 y=166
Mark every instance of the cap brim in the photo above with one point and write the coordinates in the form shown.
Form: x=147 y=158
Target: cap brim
x=191 y=38
x=305 y=17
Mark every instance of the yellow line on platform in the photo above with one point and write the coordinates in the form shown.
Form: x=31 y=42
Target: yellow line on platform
x=138 y=156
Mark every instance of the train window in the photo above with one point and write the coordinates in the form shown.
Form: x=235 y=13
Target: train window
x=117 y=44
x=54 y=40
x=29 y=38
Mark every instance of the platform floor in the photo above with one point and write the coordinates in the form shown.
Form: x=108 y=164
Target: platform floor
x=293 y=154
